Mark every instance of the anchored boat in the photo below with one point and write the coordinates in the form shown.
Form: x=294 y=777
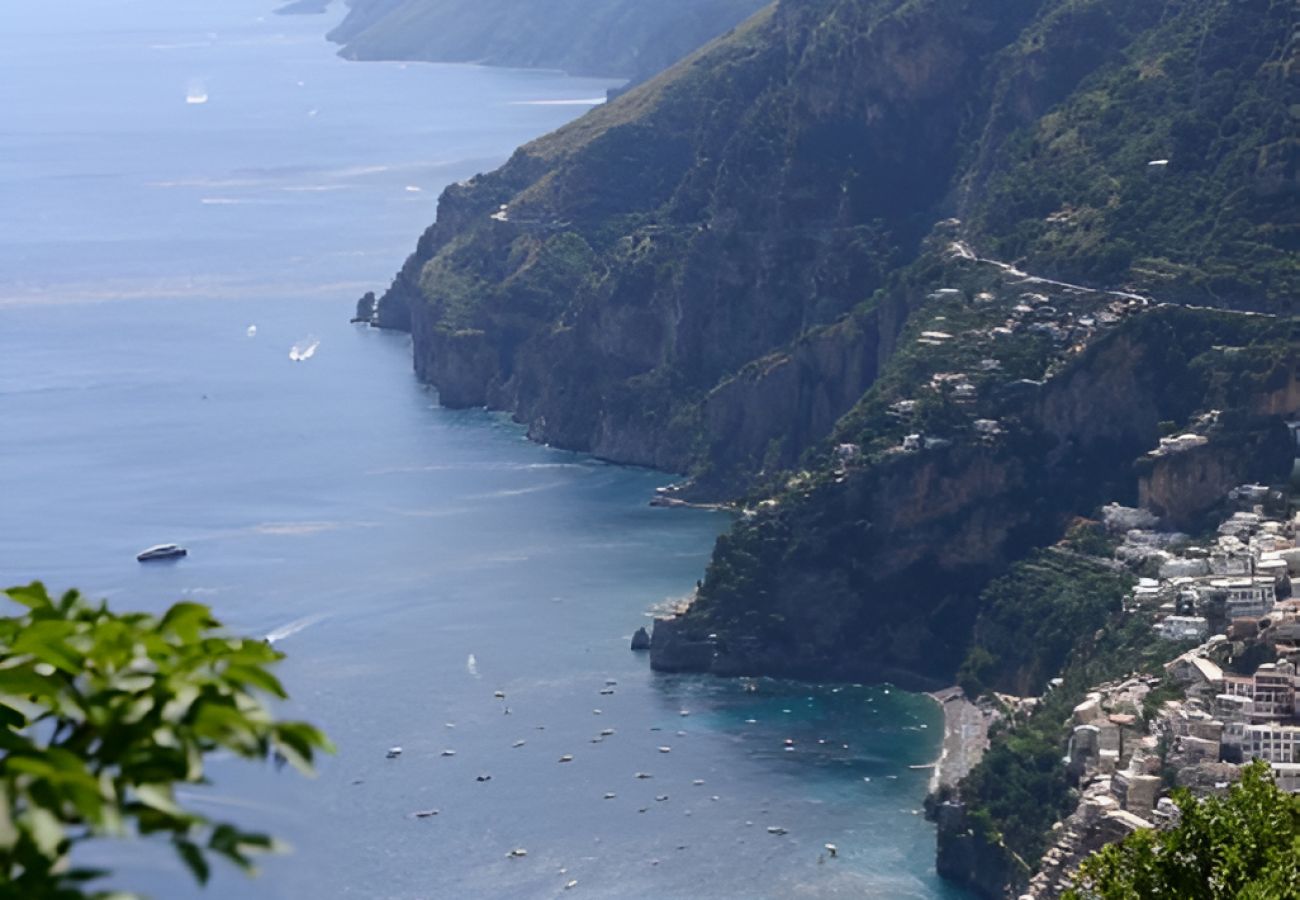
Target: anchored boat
x=161 y=551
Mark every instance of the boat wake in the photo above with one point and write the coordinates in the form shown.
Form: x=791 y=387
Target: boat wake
x=292 y=628
x=304 y=349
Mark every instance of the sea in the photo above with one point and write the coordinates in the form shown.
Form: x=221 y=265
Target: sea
x=192 y=197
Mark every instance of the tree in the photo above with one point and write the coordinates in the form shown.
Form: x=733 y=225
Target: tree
x=102 y=714
x=1244 y=846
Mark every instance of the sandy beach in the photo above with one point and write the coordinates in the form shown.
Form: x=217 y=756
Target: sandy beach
x=965 y=737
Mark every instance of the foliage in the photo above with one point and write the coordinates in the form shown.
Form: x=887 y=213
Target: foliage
x=104 y=714
x=1244 y=846
x=1021 y=787
x=1167 y=164
x=1090 y=538
x=589 y=37
x=1031 y=619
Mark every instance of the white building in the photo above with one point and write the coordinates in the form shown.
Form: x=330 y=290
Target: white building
x=1183 y=628
x=1232 y=561
x=1274 y=568
x=1253 y=597
x=1272 y=691
x=1272 y=743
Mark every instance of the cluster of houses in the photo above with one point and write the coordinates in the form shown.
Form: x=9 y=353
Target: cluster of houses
x=1126 y=758
x=1069 y=317
x=1232 y=595
x=1240 y=579
x=1231 y=719
x=1118 y=764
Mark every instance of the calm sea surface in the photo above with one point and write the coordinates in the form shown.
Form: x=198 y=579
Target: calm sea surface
x=175 y=174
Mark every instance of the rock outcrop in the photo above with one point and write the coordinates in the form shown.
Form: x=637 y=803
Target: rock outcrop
x=1182 y=487
x=734 y=271
x=690 y=277
x=969 y=859
x=872 y=573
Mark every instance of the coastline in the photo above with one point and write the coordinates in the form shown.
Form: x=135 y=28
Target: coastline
x=965 y=737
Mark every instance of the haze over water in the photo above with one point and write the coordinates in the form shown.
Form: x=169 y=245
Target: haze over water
x=331 y=504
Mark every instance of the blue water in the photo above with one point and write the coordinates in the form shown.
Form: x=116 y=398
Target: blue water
x=331 y=504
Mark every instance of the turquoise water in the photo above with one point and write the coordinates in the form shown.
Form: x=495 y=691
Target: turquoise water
x=411 y=561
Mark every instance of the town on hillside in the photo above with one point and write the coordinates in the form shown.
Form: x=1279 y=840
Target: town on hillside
x=1229 y=694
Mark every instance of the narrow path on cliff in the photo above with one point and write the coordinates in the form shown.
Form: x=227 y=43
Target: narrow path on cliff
x=962 y=250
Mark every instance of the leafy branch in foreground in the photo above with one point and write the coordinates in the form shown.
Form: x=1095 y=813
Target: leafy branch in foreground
x=102 y=714
x=1245 y=845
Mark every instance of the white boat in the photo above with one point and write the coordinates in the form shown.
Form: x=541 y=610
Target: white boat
x=161 y=551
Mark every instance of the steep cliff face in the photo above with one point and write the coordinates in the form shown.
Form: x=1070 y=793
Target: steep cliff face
x=758 y=422
x=735 y=271
x=626 y=265
x=584 y=37
x=873 y=572
x=1182 y=487
x=632 y=284
x=964 y=856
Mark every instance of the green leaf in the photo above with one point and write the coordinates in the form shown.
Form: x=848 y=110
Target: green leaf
x=33 y=596
x=46 y=831
x=10 y=717
x=23 y=681
x=103 y=714
x=81 y=875
x=194 y=860
x=257 y=677
x=187 y=620
x=8 y=832
x=47 y=641
x=159 y=797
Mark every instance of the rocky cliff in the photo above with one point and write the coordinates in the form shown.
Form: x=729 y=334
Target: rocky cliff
x=625 y=285
x=1182 y=487
x=734 y=270
x=626 y=265
x=772 y=268
x=610 y=38
x=872 y=569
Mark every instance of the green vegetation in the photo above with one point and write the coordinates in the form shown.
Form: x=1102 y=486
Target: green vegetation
x=772 y=183
x=1171 y=166
x=608 y=38
x=762 y=218
x=104 y=714
x=1245 y=846
x=1032 y=618
x=1020 y=787
x=1055 y=613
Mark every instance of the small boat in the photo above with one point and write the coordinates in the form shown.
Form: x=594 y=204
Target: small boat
x=161 y=551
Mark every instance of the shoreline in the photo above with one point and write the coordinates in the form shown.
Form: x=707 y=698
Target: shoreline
x=662 y=501
x=965 y=737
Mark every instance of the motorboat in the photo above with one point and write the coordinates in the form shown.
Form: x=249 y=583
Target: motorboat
x=162 y=551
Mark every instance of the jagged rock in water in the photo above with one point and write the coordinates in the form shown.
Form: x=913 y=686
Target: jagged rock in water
x=367 y=308
x=641 y=639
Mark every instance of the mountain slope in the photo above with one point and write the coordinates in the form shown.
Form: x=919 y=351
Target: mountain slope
x=585 y=37
x=759 y=189
x=898 y=277
x=707 y=274
x=1172 y=168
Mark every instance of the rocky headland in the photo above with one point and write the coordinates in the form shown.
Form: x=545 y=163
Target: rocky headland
x=914 y=285
x=606 y=38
